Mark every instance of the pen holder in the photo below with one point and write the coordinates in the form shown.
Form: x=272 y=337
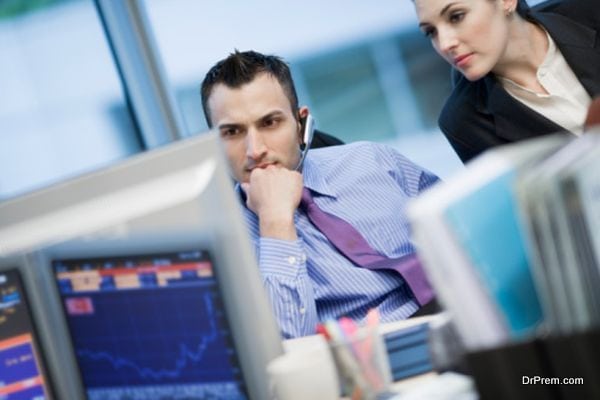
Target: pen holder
x=362 y=364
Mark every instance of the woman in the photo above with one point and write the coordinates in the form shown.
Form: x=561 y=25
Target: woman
x=521 y=72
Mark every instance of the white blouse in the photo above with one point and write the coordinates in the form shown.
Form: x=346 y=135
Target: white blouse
x=566 y=103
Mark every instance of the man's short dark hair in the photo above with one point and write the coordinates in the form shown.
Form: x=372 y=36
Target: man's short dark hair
x=240 y=68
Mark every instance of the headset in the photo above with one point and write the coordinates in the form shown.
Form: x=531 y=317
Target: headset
x=308 y=131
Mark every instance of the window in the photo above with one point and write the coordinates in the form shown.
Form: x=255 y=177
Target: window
x=428 y=74
x=62 y=106
x=364 y=69
x=347 y=98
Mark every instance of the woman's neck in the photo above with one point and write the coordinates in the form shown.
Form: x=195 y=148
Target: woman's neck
x=526 y=49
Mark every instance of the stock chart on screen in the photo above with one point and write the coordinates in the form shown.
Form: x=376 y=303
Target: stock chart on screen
x=149 y=327
x=21 y=376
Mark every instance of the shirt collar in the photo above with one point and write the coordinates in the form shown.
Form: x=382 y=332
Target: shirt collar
x=314 y=179
x=551 y=55
x=549 y=62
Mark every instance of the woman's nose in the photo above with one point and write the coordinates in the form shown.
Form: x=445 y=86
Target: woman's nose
x=447 y=41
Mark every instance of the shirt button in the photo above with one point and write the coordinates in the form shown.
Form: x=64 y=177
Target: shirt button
x=542 y=71
x=303 y=258
x=291 y=260
x=302 y=310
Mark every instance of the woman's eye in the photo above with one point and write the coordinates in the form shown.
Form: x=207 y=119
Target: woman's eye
x=429 y=32
x=456 y=17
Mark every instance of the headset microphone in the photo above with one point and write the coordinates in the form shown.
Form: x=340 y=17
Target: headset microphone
x=308 y=130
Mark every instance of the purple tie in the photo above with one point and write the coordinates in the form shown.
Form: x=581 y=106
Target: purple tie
x=351 y=244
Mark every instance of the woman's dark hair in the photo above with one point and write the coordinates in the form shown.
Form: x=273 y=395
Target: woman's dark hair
x=522 y=8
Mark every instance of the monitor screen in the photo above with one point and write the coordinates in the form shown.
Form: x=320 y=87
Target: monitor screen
x=21 y=371
x=149 y=327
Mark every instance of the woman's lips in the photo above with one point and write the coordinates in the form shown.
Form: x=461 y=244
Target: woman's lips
x=462 y=61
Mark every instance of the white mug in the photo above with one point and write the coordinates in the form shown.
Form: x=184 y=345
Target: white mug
x=305 y=372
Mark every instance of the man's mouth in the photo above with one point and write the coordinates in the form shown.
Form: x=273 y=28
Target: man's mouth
x=261 y=165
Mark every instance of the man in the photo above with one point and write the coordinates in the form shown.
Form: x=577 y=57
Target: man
x=251 y=100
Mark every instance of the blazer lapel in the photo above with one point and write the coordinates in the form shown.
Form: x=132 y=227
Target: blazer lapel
x=579 y=46
x=514 y=121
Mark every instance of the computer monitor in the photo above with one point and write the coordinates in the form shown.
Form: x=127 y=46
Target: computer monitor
x=150 y=326
x=22 y=370
x=171 y=202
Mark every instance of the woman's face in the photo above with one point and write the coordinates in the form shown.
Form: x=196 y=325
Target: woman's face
x=471 y=35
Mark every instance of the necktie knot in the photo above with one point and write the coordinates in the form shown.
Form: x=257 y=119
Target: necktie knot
x=307 y=199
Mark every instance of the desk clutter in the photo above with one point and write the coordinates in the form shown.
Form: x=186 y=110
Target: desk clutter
x=370 y=361
x=357 y=355
x=408 y=351
x=512 y=249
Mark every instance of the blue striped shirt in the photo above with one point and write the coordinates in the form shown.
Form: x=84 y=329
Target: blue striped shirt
x=308 y=280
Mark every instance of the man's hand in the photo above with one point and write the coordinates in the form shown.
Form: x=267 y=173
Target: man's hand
x=273 y=194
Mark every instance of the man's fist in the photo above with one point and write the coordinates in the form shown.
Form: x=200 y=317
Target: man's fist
x=273 y=194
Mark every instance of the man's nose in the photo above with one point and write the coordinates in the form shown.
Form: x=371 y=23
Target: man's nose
x=255 y=144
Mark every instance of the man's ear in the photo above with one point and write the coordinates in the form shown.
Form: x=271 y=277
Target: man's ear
x=302 y=114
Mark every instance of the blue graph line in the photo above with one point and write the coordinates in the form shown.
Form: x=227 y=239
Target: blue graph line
x=185 y=353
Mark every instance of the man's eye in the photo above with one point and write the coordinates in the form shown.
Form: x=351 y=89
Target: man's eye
x=271 y=122
x=229 y=132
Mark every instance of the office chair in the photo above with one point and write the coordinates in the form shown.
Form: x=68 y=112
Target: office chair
x=322 y=139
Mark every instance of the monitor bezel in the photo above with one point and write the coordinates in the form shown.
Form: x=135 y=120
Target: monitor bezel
x=242 y=383
x=15 y=265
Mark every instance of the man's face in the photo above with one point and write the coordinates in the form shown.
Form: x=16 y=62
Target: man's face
x=256 y=125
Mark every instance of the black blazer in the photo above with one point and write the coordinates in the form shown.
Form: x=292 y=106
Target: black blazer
x=481 y=114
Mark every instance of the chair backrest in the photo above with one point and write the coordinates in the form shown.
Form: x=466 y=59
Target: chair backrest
x=322 y=139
